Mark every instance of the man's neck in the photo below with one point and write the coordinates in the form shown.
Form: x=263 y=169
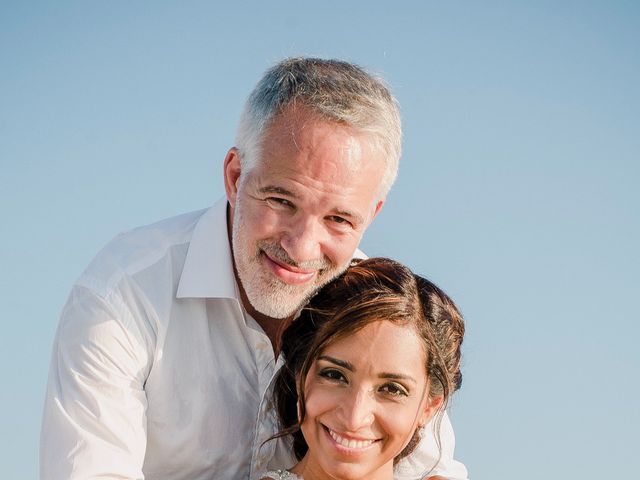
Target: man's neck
x=272 y=327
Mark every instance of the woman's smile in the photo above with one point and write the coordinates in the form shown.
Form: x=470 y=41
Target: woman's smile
x=350 y=443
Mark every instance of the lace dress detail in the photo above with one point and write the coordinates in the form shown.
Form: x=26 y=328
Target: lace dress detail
x=282 y=475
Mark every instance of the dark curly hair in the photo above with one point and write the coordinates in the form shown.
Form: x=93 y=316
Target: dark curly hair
x=369 y=291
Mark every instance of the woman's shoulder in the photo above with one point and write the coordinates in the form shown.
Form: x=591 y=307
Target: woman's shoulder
x=281 y=475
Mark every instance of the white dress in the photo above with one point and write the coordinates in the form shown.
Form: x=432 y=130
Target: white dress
x=282 y=475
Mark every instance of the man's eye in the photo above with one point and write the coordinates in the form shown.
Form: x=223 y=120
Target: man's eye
x=279 y=202
x=339 y=220
x=394 y=390
x=332 y=374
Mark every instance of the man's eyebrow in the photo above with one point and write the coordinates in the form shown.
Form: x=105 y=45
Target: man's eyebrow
x=277 y=190
x=351 y=215
x=341 y=363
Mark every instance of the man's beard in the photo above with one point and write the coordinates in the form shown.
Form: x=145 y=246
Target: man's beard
x=266 y=293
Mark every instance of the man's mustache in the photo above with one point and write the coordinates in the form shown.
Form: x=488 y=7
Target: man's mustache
x=278 y=253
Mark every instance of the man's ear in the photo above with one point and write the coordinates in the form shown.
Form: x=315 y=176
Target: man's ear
x=232 y=170
x=431 y=406
x=377 y=209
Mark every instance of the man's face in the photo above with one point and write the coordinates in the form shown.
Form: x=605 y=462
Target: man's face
x=300 y=212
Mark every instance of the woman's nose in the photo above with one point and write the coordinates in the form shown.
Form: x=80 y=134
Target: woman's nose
x=358 y=410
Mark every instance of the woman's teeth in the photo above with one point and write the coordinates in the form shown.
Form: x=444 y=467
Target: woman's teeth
x=349 y=443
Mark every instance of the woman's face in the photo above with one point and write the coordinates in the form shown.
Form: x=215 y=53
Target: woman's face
x=365 y=396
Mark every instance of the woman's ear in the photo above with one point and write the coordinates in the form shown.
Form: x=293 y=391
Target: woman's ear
x=431 y=406
x=298 y=386
x=298 y=406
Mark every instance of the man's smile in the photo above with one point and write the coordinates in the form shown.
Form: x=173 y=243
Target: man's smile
x=288 y=273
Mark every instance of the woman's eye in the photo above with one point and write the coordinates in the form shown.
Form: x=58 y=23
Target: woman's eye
x=394 y=390
x=332 y=374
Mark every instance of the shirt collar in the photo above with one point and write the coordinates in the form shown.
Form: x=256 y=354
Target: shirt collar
x=208 y=268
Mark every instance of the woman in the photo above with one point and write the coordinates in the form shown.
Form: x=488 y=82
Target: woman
x=371 y=359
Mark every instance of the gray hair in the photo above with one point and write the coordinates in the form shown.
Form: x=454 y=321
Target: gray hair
x=333 y=89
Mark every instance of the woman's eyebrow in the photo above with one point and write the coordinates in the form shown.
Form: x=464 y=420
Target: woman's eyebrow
x=341 y=363
x=349 y=366
x=397 y=376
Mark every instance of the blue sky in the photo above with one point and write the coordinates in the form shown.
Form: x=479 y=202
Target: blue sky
x=517 y=190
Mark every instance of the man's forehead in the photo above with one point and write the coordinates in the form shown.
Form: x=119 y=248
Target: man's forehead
x=296 y=120
x=320 y=145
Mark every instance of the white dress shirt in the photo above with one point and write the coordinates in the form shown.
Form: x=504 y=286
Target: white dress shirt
x=158 y=373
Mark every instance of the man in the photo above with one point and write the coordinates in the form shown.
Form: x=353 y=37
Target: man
x=168 y=343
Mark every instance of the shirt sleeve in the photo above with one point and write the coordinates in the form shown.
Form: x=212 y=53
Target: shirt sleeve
x=429 y=459
x=94 y=423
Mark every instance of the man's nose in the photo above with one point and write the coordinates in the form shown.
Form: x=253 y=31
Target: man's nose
x=303 y=240
x=357 y=410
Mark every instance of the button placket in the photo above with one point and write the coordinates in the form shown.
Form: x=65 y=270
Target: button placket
x=265 y=422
